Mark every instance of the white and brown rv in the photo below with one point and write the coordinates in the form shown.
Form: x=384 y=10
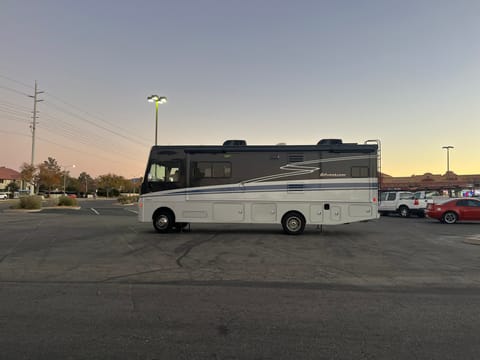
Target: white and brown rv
x=293 y=185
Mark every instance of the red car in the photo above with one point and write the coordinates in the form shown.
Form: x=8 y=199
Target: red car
x=455 y=210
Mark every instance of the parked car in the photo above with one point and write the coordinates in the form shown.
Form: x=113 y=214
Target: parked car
x=430 y=197
x=3 y=195
x=402 y=203
x=455 y=210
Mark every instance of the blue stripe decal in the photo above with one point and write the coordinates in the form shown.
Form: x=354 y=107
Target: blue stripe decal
x=274 y=188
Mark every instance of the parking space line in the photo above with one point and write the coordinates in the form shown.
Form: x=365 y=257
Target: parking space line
x=473 y=239
x=95 y=211
x=133 y=211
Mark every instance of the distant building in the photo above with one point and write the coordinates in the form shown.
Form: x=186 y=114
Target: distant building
x=449 y=181
x=8 y=176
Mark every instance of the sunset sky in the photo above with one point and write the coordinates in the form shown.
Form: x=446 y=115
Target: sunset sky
x=268 y=71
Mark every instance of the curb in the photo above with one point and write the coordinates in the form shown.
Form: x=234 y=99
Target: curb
x=43 y=208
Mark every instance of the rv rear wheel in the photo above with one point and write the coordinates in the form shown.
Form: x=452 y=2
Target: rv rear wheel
x=163 y=221
x=293 y=223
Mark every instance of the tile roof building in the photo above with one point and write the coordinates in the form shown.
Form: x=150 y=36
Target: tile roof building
x=8 y=176
x=429 y=181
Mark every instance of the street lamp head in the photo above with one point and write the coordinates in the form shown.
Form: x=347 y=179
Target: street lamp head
x=157 y=99
x=152 y=98
x=447 y=147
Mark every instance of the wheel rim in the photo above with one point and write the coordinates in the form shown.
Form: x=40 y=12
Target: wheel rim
x=403 y=212
x=450 y=218
x=162 y=222
x=293 y=224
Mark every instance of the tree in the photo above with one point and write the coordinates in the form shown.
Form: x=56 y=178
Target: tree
x=50 y=174
x=12 y=187
x=110 y=183
x=85 y=183
x=29 y=174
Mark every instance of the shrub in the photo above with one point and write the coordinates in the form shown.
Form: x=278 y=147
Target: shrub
x=30 y=202
x=67 y=201
x=124 y=199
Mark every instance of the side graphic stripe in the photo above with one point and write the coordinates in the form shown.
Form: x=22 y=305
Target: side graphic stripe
x=274 y=188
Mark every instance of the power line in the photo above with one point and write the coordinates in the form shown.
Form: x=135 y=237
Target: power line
x=13 y=90
x=67 y=129
x=13 y=117
x=13 y=112
x=93 y=115
x=131 y=137
x=13 y=105
x=95 y=155
x=96 y=125
x=15 y=81
x=81 y=135
x=13 y=133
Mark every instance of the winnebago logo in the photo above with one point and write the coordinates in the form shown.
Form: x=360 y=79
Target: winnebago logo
x=332 y=175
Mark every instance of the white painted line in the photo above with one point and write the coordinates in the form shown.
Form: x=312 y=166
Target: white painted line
x=133 y=211
x=95 y=211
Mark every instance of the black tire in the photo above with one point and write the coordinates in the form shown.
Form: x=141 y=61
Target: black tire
x=293 y=223
x=163 y=221
x=404 y=211
x=449 y=217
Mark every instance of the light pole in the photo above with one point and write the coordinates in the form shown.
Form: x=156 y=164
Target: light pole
x=65 y=177
x=157 y=100
x=448 y=147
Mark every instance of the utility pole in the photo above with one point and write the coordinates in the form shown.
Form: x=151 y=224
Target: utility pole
x=34 y=121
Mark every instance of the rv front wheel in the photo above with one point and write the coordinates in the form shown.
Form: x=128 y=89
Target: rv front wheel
x=293 y=223
x=162 y=221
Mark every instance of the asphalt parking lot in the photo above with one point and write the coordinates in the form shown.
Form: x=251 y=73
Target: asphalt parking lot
x=104 y=242
x=95 y=283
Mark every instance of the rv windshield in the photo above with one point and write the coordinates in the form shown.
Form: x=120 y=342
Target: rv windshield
x=167 y=171
x=163 y=175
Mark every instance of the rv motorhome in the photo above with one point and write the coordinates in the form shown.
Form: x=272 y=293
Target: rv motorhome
x=293 y=185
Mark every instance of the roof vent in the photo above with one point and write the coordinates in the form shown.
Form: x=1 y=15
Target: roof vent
x=330 y=142
x=235 y=143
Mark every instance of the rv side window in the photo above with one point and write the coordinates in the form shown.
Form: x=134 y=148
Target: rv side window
x=359 y=171
x=220 y=169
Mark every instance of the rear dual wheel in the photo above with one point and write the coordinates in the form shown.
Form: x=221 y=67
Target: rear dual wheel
x=293 y=223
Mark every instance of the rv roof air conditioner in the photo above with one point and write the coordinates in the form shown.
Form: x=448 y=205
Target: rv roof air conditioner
x=330 y=142
x=235 y=143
